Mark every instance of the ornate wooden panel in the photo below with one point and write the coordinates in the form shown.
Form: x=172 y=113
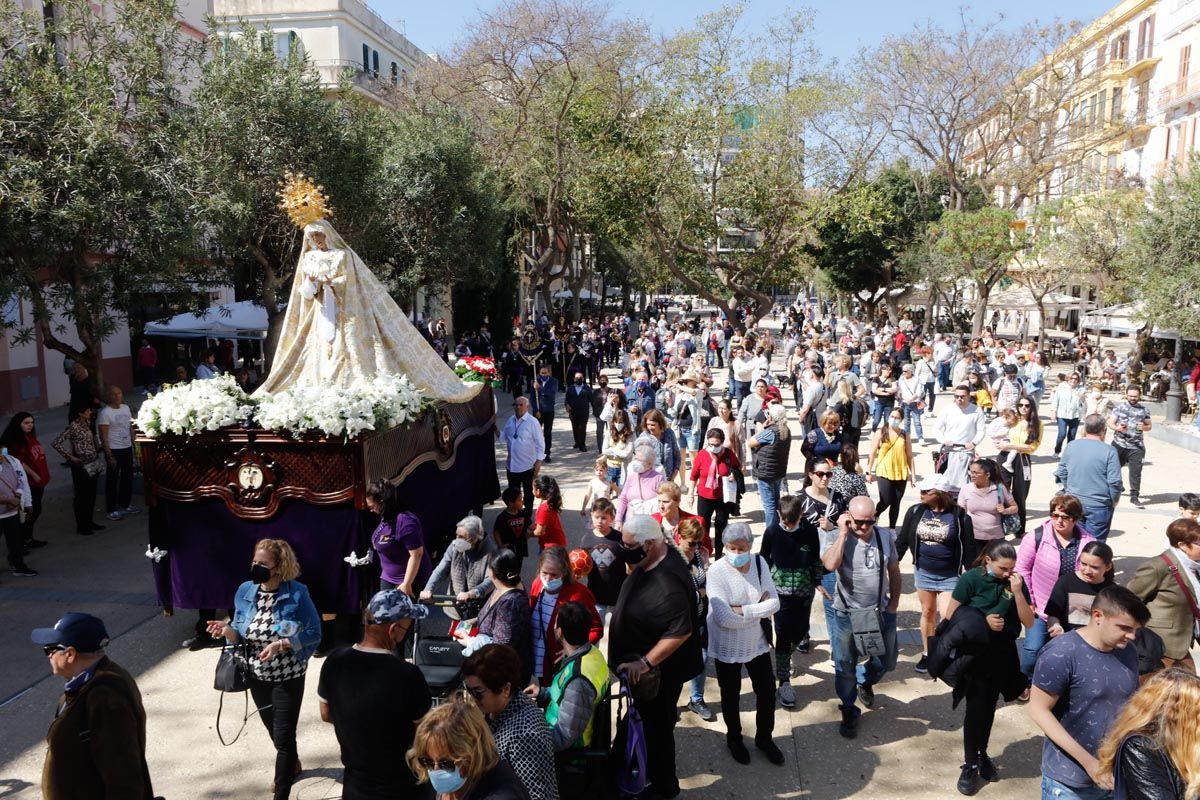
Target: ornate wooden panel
x=253 y=471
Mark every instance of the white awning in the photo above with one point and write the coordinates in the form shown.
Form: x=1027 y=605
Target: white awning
x=241 y=320
x=1122 y=319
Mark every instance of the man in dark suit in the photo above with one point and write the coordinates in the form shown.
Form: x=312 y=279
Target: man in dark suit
x=544 y=397
x=599 y=401
x=579 y=408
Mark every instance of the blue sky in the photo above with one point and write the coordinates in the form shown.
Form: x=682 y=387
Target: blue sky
x=842 y=26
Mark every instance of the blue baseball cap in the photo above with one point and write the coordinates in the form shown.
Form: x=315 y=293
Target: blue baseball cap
x=391 y=605
x=82 y=631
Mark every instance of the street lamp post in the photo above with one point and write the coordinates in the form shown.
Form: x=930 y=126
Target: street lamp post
x=1175 y=394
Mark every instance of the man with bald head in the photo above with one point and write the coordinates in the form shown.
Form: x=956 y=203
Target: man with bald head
x=522 y=435
x=862 y=615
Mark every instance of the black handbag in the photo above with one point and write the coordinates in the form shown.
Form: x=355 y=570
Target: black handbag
x=233 y=669
x=767 y=629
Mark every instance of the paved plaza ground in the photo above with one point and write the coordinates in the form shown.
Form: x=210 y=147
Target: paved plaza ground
x=909 y=745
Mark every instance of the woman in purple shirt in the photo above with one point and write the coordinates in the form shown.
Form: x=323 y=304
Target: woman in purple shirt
x=399 y=541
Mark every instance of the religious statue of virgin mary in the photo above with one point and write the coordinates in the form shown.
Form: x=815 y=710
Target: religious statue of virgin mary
x=341 y=325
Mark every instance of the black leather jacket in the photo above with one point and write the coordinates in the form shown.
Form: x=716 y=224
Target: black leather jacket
x=1145 y=771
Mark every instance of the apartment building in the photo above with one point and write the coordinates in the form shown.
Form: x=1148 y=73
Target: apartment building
x=1177 y=101
x=342 y=38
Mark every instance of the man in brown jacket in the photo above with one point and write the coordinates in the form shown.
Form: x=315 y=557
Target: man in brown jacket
x=96 y=745
x=1169 y=584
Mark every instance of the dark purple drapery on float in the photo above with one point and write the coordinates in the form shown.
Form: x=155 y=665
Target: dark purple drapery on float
x=210 y=548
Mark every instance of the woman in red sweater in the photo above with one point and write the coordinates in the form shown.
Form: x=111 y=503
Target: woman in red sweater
x=553 y=586
x=20 y=437
x=709 y=469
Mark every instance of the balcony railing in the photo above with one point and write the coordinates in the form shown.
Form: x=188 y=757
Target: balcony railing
x=1181 y=91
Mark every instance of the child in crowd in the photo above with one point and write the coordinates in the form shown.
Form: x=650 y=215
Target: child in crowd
x=600 y=486
x=997 y=431
x=547 y=524
x=1189 y=506
x=508 y=532
x=608 y=571
x=979 y=391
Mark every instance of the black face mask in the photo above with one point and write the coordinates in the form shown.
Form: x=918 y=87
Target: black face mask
x=632 y=556
x=260 y=574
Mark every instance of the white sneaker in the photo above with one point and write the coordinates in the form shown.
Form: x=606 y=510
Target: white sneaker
x=787 y=696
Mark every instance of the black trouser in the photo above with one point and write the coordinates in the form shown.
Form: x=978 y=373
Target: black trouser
x=658 y=726
x=930 y=395
x=707 y=509
x=791 y=628
x=1020 y=486
x=547 y=421
x=278 y=705
x=118 y=483
x=85 y=497
x=525 y=481
x=852 y=436
x=579 y=430
x=1133 y=457
x=11 y=526
x=981 y=697
x=729 y=679
x=35 y=511
x=600 y=434
x=890 y=494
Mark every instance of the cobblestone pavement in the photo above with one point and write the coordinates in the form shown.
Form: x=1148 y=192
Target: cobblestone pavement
x=909 y=744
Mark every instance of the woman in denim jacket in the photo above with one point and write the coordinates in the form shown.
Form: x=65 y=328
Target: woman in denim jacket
x=274 y=615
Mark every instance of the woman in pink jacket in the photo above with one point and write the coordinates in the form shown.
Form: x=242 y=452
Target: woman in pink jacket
x=1051 y=550
x=639 y=495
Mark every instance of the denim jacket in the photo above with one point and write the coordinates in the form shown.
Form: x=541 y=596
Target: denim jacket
x=292 y=605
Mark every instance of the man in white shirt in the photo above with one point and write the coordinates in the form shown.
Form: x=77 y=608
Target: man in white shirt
x=963 y=427
x=522 y=435
x=743 y=367
x=115 y=425
x=943 y=355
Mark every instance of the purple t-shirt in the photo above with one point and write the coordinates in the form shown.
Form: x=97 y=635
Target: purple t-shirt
x=394 y=541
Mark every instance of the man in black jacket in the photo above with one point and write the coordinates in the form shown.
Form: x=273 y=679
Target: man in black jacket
x=579 y=406
x=599 y=401
x=542 y=403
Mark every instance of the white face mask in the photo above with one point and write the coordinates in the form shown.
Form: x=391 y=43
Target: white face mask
x=619 y=426
x=896 y=423
x=637 y=467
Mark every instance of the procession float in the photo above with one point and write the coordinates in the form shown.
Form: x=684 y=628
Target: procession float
x=354 y=394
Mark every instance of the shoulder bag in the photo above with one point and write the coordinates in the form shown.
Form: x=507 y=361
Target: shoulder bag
x=1183 y=587
x=1009 y=523
x=866 y=624
x=233 y=675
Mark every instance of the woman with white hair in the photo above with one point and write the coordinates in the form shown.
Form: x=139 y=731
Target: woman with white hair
x=463 y=570
x=742 y=600
x=639 y=495
x=653 y=641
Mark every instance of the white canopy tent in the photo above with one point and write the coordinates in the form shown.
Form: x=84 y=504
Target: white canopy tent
x=241 y=320
x=567 y=294
x=1123 y=319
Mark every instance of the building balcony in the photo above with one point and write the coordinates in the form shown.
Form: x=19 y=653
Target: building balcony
x=331 y=72
x=1141 y=64
x=1184 y=90
x=1114 y=68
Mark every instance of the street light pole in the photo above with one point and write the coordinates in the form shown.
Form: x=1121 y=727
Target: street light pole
x=1175 y=394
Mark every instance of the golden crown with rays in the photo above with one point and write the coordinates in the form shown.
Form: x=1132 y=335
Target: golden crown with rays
x=303 y=200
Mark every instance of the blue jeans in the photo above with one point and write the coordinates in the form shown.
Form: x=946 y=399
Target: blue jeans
x=943 y=374
x=848 y=673
x=912 y=414
x=881 y=411
x=1098 y=520
x=1035 y=639
x=699 y=680
x=1067 y=428
x=1053 y=790
x=768 y=491
x=614 y=475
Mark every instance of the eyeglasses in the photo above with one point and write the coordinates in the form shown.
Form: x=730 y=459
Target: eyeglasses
x=445 y=764
x=51 y=649
x=1061 y=515
x=476 y=691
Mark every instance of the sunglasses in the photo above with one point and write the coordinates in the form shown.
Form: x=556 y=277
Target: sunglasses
x=821 y=473
x=862 y=523
x=51 y=649
x=962 y=397
x=1061 y=515
x=476 y=691
x=1024 y=405
x=445 y=764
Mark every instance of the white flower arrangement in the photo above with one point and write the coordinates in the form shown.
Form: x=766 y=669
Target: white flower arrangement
x=194 y=407
x=383 y=402
x=207 y=405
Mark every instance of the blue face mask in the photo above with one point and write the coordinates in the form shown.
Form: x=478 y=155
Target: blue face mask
x=446 y=781
x=552 y=586
x=738 y=559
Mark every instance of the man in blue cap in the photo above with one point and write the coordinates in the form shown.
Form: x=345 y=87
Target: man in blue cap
x=96 y=745
x=374 y=699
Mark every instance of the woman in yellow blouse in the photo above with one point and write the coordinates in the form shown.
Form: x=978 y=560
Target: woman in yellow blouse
x=891 y=465
x=1023 y=440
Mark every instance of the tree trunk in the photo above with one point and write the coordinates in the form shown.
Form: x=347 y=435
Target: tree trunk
x=1041 y=309
x=979 y=318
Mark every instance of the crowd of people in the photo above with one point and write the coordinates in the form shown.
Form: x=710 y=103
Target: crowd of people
x=674 y=580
